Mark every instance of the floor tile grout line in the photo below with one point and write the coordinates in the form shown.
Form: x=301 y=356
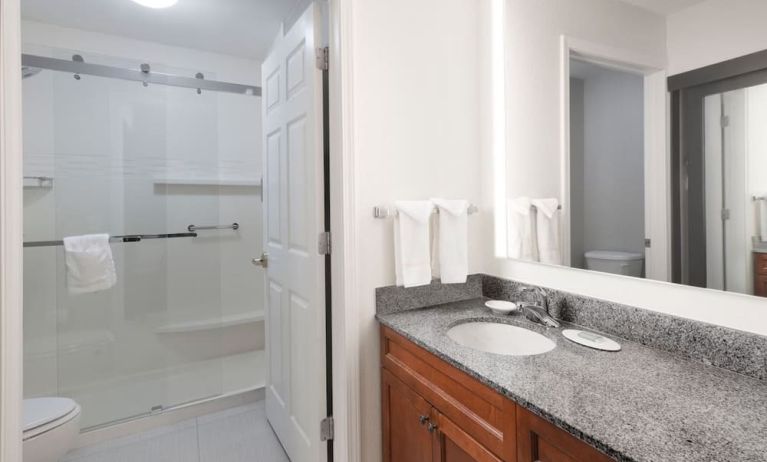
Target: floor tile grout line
x=197 y=432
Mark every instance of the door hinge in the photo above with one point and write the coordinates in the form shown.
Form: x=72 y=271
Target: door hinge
x=725 y=214
x=326 y=429
x=324 y=244
x=323 y=58
x=725 y=121
x=647 y=242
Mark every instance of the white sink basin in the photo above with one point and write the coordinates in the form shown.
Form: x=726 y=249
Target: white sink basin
x=501 y=339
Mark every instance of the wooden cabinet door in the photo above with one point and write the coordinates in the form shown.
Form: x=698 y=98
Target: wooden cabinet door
x=455 y=445
x=760 y=285
x=406 y=419
x=541 y=441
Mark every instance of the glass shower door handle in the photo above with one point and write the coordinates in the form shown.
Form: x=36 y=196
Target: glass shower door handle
x=263 y=262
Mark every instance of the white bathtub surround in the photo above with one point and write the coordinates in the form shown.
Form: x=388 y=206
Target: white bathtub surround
x=520 y=229
x=547 y=230
x=412 y=256
x=450 y=254
x=184 y=319
x=89 y=262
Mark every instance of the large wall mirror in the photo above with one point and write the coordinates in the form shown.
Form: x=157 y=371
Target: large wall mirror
x=635 y=140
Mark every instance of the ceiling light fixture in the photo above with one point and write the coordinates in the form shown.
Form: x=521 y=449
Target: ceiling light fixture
x=156 y=3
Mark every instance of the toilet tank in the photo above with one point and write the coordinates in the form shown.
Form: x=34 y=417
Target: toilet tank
x=615 y=261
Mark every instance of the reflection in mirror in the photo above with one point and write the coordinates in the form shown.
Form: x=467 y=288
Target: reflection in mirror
x=722 y=211
x=657 y=167
x=606 y=169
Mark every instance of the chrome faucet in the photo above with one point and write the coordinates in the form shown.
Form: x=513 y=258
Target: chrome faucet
x=537 y=312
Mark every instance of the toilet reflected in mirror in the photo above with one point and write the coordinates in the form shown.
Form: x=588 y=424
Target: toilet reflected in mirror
x=606 y=171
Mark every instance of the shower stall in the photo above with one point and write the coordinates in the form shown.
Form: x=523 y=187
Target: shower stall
x=167 y=161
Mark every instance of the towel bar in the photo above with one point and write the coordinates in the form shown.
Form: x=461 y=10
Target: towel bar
x=384 y=212
x=193 y=228
x=559 y=207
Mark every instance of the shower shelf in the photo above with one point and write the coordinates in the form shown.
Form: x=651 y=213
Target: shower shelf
x=219 y=322
x=43 y=182
x=206 y=182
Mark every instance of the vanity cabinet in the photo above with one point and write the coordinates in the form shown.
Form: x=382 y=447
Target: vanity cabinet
x=433 y=412
x=760 y=274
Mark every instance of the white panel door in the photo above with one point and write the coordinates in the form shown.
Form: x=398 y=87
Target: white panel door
x=293 y=220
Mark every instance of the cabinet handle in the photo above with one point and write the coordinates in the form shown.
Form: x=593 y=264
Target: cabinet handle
x=432 y=428
x=423 y=419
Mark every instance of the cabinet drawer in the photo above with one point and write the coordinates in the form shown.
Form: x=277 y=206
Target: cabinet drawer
x=476 y=408
x=760 y=263
x=540 y=441
x=760 y=285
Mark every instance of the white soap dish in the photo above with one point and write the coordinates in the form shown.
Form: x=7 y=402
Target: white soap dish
x=591 y=340
x=501 y=306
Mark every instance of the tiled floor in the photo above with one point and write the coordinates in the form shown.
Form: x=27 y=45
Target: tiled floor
x=239 y=434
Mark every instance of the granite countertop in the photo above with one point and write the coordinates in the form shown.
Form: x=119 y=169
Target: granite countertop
x=638 y=404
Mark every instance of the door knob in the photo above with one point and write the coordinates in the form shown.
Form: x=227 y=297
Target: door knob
x=263 y=262
x=423 y=419
x=432 y=428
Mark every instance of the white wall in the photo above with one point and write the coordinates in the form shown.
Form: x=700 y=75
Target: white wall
x=756 y=154
x=715 y=31
x=105 y=141
x=419 y=131
x=533 y=84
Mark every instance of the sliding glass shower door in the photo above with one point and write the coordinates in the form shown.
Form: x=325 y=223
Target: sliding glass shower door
x=105 y=155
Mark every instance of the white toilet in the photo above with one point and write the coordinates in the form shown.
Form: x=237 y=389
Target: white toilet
x=615 y=261
x=50 y=428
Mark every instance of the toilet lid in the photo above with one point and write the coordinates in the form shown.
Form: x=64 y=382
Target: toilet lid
x=614 y=255
x=41 y=411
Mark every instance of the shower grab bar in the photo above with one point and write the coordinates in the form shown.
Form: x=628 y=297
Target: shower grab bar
x=125 y=238
x=193 y=228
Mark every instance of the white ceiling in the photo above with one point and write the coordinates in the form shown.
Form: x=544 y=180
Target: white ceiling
x=243 y=28
x=663 y=7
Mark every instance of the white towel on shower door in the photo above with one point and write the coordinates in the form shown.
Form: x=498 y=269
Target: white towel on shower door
x=450 y=258
x=412 y=257
x=89 y=262
x=520 y=229
x=547 y=230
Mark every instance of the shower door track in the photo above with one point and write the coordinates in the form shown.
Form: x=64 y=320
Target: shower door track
x=143 y=75
x=125 y=238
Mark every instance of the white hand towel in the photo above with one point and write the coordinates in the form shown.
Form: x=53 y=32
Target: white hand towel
x=547 y=230
x=412 y=258
x=520 y=230
x=90 y=267
x=763 y=220
x=451 y=258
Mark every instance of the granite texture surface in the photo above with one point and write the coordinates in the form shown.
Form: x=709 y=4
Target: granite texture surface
x=393 y=299
x=638 y=404
x=731 y=349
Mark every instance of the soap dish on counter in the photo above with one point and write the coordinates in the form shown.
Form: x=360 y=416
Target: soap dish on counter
x=591 y=340
x=501 y=306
